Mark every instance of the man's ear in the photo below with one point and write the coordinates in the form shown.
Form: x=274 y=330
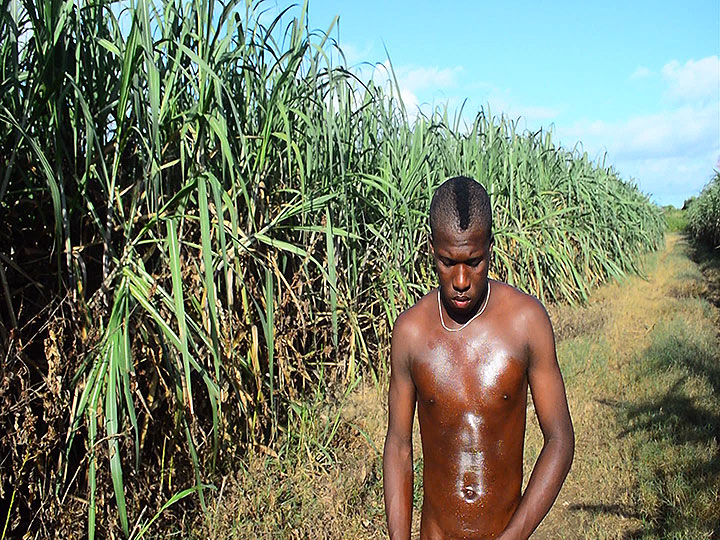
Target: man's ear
x=430 y=244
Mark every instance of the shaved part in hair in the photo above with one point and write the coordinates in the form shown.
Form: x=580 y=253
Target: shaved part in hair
x=458 y=204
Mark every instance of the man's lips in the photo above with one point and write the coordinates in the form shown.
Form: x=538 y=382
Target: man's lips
x=461 y=301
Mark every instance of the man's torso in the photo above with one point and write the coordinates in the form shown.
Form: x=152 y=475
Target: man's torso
x=471 y=389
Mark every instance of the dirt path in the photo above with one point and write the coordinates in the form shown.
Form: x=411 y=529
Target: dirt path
x=642 y=390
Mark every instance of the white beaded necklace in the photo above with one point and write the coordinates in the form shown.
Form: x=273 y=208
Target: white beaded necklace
x=480 y=312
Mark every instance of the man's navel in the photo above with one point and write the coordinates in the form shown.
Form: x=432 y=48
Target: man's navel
x=470 y=482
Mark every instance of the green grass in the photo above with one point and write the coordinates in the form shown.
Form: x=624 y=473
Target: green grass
x=644 y=396
x=675 y=218
x=675 y=428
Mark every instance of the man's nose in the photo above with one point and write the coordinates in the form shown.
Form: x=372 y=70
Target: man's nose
x=461 y=281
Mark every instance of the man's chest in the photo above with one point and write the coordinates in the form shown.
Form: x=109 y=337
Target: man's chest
x=484 y=370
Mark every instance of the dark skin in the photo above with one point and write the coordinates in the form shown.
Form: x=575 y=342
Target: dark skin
x=470 y=388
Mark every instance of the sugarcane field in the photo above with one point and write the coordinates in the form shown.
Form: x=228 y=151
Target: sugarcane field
x=219 y=229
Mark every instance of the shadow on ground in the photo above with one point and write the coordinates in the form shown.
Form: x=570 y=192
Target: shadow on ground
x=676 y=432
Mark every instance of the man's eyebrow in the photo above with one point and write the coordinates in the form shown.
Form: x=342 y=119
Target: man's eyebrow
x=473 y=258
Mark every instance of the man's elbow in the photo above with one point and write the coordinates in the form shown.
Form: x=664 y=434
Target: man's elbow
x=397 y=449
x=563 y=445
x=568 y=449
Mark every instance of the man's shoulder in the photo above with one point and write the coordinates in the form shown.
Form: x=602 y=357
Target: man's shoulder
x=411 y=322
x=516 y=304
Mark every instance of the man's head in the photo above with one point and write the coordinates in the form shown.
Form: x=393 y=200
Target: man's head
x=461 y=244
x=459 y=204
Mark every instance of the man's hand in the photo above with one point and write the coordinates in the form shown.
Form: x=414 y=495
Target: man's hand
x=398 y=454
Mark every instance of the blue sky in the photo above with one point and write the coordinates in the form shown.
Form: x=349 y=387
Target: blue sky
x=638 y=80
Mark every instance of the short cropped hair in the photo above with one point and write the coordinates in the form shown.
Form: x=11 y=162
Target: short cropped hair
x=458 y=204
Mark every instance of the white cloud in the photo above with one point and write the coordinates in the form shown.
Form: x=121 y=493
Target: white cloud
x=410 y=100
x=414 y=80
x=425 y=87
x=417 y=82
x=695 y=80
x=688 y=130
x=641 y=73
x=670 y=153
x=423 y=78
x=670 y=180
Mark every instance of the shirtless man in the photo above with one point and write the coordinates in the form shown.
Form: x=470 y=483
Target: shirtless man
x=466 y=353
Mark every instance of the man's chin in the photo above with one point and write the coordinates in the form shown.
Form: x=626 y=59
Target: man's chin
x=461 y=311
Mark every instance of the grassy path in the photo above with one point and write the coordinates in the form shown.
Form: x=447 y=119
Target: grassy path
x=643 y=379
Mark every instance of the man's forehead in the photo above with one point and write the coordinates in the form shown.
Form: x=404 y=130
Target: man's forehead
x=474 y=237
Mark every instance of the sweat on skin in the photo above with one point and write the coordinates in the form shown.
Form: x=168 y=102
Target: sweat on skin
x=464 y=356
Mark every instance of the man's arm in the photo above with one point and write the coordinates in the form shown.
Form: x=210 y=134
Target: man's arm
x=553 y=463
x=398 y=454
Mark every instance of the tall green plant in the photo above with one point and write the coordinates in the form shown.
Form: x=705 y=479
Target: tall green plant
x=704 y=214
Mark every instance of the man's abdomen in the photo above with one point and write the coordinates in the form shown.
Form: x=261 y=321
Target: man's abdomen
x=472 y=494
